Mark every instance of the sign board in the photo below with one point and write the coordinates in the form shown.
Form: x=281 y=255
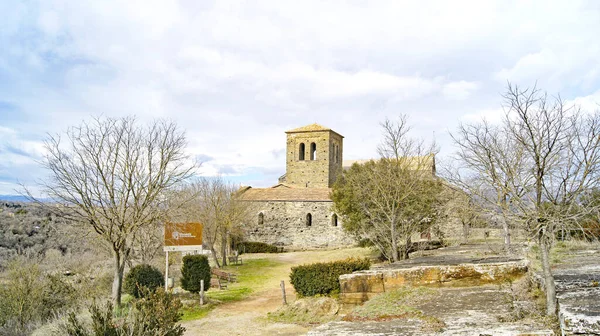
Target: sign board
x=183 y=237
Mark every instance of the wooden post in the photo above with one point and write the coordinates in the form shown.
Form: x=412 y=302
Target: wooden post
x=283 y=292
x=167 y=271
x=202 y=292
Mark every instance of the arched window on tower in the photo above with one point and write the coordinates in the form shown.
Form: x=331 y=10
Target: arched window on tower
x=261 y=218
x=313 y=151
x=334 y=220
x=308 y=219
x=335 y=149
x=301 y=152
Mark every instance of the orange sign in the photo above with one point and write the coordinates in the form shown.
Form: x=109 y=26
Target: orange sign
x=183 y=234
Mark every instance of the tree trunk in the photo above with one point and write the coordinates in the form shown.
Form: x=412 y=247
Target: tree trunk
x=224 y=249
x=466 y=230
x=118 y=279
x=544 y=245
x=214 y=254
x=394 y=243
x=506 y=230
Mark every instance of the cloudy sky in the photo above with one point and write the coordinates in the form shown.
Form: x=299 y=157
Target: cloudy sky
x=236 y=75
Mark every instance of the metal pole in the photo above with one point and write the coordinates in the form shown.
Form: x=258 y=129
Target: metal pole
x=202 y=292
x=167 y=271
x=283 y=292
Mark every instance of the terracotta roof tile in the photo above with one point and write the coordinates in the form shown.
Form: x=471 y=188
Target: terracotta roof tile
x=309 y=128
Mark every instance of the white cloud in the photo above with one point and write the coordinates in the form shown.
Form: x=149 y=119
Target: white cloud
x=236 y=75
x=460 y=90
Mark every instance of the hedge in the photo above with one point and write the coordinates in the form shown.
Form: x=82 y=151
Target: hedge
x=194 y=269
x=323 y=278
x=142 y=275
x=256 y=247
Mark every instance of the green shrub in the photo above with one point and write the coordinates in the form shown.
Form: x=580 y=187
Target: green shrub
x=256 y=247
x=194 y=269
x=58 y=295
x=142 y=276
x=28 y=297
x=156 y=314
x=323 y=278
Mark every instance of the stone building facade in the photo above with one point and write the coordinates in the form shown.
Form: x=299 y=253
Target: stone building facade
x=297 y=212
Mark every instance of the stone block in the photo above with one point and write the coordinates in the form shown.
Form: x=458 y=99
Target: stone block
x=362 y=283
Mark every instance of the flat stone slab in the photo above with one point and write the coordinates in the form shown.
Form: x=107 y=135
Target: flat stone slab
x=464 y=311
x=444 y=270
x=578 y=293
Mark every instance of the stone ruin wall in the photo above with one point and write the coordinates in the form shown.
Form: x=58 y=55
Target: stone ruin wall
x=284 y=224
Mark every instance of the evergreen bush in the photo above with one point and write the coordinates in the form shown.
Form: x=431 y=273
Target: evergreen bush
x=256 y=247
x=142 y=276
x=194 y=269
x=323 y=278
x=157 y=314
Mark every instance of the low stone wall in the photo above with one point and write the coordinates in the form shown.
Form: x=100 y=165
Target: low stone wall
x=359 y=287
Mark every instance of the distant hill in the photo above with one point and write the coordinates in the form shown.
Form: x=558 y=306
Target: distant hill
x=13 y=198
x=29 y=229
x=19 y=198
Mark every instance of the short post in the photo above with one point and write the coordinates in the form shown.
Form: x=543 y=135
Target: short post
x=167 y=271
x=202 y=292
x=283 y=292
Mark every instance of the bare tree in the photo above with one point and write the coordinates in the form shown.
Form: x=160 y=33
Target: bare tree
x=215 y=204
x=489 y=162
x=563 y=149
x=389 y=200
x=541 y=161
x=111 y=174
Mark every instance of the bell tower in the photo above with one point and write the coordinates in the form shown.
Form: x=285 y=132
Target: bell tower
x=313 y=157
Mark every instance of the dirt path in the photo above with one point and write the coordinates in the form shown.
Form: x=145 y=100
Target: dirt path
x=249 y=316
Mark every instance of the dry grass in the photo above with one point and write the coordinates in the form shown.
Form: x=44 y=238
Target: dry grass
x=398 y=304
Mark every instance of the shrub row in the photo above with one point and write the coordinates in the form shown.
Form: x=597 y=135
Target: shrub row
x=323 y=278
x=256 y=247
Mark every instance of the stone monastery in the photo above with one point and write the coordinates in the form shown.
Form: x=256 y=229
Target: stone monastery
x=297 y=212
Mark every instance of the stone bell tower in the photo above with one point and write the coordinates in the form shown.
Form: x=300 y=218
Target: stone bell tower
x=314 y=156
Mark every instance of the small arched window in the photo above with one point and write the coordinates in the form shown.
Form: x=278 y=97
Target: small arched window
x=261 y=218
x=334 y=220
x=313 y=151
x=308 y=219
x=301 y=152
x=335 y=149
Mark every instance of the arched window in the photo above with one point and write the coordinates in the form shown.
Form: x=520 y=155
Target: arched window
x=313 y=151
x=334 y=220
x=261 y=218
x=335 y=149
x=308 y=219
x=301 y=152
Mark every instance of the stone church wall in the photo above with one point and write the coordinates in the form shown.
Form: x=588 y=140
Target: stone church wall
x=285 y=224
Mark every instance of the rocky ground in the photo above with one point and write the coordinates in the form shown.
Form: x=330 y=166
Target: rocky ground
x=466 y=307
x=578 y=291
x=475 y=305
